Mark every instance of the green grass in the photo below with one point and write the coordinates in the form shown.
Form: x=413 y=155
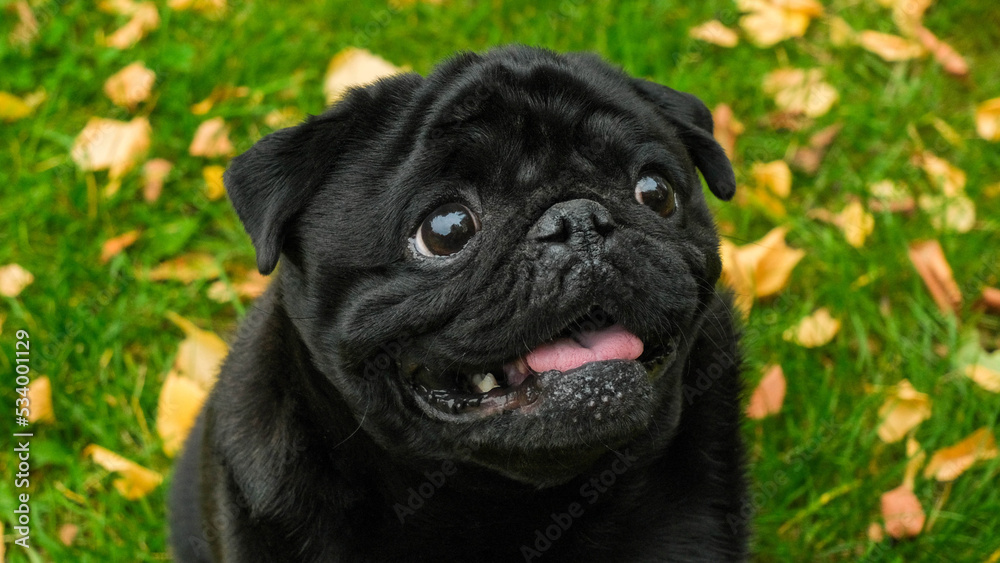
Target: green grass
x=101 y=334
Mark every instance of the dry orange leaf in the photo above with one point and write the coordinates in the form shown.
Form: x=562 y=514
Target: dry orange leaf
x=186 y=268
x=130 y=85
x=903 y=515
x=67 y=533
x=219 y=93
x=135 y=482
x=957 y=213
x=727 y=129
x=716 y=33
x=949 y=59
x=769 y=395
x=40 y=400
x=890 y=47
x=23 y=34
x=180 y=401
x=154 y=173
x=112 y=145
x=145 y=18
x=354 y=67
x=988 y=119
x=13 y=279
x=809 y=158
x=800 y=91
x=113 y=246
x=212 y=139
x=13 y=108
x=214 y=187
x=902 y=412
x=928 y=258
x=946 y=176
x=776 y=176
x=948 y=463
x=814 y=330
x=769 y=21
x=200 y=354
x=759 y=269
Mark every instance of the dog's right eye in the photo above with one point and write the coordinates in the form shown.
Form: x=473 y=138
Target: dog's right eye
x=446 y=230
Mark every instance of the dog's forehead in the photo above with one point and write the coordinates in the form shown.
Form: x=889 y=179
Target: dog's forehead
x=534 y=118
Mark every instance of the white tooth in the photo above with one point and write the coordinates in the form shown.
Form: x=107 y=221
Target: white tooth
x=484 y=382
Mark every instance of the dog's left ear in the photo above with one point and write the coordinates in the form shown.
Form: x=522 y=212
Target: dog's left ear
x=272 y=181
x=694 y=123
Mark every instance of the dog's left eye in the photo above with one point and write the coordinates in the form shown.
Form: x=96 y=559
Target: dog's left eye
x=446 y=230
x=655 y=192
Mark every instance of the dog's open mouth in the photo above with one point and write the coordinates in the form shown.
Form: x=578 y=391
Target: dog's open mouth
x=516 y=383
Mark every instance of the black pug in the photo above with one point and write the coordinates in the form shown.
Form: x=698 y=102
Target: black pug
x=494 y=335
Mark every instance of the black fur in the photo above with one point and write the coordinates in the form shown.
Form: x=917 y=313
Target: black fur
x=312 y=447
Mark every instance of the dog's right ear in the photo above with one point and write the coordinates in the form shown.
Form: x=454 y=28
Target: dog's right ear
x=271 y=182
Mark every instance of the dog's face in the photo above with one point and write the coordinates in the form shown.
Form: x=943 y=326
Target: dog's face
x=503 y=262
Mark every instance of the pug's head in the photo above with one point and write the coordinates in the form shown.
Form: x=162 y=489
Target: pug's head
x=504 y=262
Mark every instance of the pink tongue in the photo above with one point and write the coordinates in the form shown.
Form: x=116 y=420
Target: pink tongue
x=612 y=343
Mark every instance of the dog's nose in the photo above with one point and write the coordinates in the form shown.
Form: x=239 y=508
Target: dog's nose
x=577 y=221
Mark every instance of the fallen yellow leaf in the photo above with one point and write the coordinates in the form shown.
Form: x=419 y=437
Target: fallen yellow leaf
x=814 y=330
x=915 y=460
x=214 y=187
x=907 y=14
x=113 y=246
x=841 y=32
x=187 y=268
x=284 y=117
x=212 y=8
x=948 y=463
x=154 y=173
x=800 y=91
x=727 y=129
x=903 y=515
x=252 y=286
x=145 y=18
x=949 y=178
x=759 y=269
x=135 y=482
x=856 y=223
x=180 y=401
x=13 y=279
x=130 y=85
x=929 y=260
x=769 y=21
x=776 y=176
x=889 y=47
x=977 y=364
x=112 y=145
x=902 y=412
x=716 y=33
x=13 y=108
x=892 y=197
x=219 y=93
x=988 y=119
x=40 y=400
x=212 y=139
x=957 y=213
x=200 y=354
x=769 y=395
x=354 y=67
